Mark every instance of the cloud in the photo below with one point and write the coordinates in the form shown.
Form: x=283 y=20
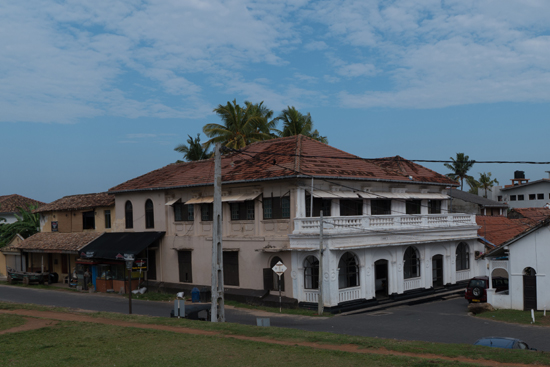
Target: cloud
x=316 y=46
x=65 y=61
x=433 y=54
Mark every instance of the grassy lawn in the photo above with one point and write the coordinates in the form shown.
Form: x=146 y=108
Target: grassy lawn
x=74 y=343
x=518 y=317
x=9 y=321
x=255 y=350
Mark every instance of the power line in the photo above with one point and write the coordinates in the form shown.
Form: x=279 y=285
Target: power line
x=387 y=159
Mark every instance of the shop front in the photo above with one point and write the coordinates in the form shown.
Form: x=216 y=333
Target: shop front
x=104 y=260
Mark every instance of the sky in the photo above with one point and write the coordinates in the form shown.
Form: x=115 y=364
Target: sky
x=94 y=93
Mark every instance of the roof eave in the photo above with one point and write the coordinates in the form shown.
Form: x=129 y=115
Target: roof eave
x=283 y=178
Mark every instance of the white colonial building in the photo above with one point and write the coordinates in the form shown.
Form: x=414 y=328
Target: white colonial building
x=387 y=229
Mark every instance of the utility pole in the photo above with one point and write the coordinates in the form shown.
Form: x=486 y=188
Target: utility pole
x=217 y=310
x=320 y=307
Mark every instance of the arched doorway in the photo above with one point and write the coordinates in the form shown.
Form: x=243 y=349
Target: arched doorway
x=381 y=279
x=437 y=271
x=529 y=289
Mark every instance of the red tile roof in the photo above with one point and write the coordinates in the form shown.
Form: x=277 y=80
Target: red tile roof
x=57 y=242
x=296 y=156
x=10 y=203
x=532 y=213
x=79 y=202
x=498 y=230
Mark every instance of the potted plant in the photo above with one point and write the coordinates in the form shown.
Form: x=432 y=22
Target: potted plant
x=91 y=288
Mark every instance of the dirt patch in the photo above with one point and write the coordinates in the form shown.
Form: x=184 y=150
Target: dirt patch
x=30 y=324
x=50 y=315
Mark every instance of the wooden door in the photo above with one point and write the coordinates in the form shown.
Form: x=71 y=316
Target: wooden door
x=529 y=292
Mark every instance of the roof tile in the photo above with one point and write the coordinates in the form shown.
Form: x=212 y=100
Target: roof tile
x=284 y=158
x=79 y=202
x=10 y=203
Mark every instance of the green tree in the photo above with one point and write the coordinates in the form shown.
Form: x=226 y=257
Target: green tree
x=240 y=125
x=460 y=167
x=485 y=182
x=295 y=123
x=194 y=150
x=27 y=224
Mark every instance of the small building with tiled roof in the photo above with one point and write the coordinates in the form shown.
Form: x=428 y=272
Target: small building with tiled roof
x=10 y=204
x=66 y=225
x=525 y=259
x=465 y=202
x=77 y=213
x=388 y=232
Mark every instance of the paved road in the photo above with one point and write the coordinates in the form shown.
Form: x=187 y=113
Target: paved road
x=441 y=321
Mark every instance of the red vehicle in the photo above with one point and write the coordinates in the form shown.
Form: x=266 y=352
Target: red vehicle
x=477 y=288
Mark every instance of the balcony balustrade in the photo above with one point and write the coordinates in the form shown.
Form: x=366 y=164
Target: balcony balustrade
x=345 y=224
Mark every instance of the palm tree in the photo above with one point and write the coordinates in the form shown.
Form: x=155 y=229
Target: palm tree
x=193 y=151
x=295 y=123
x=241 y=125
x=460 y=167
x=26 y=225
x=486 y=183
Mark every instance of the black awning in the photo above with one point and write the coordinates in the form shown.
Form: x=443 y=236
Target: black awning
x=115 y=244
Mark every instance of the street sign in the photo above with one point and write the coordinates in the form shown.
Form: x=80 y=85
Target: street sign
x=129 y=257
x=279 y=268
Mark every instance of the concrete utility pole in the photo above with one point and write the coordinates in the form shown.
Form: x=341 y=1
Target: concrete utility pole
x=321 y=305
x=217 y=310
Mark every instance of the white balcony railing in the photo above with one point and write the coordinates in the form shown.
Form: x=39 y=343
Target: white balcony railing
x=311 y=296
x=344 y=224
x=412 y=283
x=349 y=294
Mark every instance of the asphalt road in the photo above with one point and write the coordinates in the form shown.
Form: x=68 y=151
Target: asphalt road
x=440 y=321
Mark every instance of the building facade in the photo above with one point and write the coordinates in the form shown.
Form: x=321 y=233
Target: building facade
x=387 y=226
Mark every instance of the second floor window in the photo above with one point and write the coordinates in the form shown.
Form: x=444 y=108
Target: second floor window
x=207 y=212
x=380 y=207
x=88 y=220
x=413 y=206
x=434 y=207
x=149 y=214
x=351 y=207
x=129 y=214
x=318 y=205
x=276 y=207
x=185 y=213
x=107 y=214
x=243 y=210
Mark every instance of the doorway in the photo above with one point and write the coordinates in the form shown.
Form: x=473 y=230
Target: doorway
x=437 y=271
x=381 y=279
x=529 y=289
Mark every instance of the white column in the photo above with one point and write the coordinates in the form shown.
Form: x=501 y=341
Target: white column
x=367 y=275
x=428 y=271
x=300 y=202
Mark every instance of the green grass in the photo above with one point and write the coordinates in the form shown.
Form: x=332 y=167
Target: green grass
x=295 y=336
x=9 y=321
x=518 y=317
x=73 y=344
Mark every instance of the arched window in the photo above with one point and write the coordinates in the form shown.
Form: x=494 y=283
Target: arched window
x=348 y=274
x=311 y=273
x=411 y=265
x=529 y=272
x=129 y=214
x=462 y=256
x=149 y=214
x=275 y=283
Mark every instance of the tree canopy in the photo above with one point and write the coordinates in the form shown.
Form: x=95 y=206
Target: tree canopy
x=240 y=125
x=296 y=123
x=26 y=225
x=193 y=150
x=460 y=167
x=243 y=125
